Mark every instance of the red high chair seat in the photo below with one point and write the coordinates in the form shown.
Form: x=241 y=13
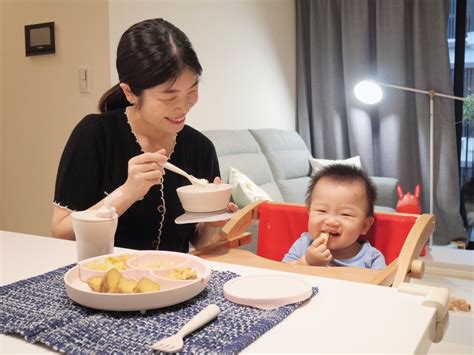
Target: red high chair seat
x=281 y=224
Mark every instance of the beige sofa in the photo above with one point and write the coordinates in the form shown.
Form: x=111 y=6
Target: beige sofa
x=278 y=162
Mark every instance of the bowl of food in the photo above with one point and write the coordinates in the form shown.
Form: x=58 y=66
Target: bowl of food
x=206 y=198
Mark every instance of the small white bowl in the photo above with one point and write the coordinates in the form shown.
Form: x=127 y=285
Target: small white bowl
x=204 y=199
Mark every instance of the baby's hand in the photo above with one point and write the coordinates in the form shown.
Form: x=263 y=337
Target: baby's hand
x=318 y=253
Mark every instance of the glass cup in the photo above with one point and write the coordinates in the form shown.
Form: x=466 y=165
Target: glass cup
x=95 y=235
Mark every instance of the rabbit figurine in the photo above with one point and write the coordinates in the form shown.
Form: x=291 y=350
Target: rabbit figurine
x=408 y=203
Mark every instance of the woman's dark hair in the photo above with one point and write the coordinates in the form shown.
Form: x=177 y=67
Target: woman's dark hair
x=149 y=53
x=345 y=174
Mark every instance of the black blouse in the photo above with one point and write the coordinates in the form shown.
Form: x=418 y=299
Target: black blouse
x=95 y=163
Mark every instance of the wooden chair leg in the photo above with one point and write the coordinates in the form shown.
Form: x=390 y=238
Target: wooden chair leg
x=241 y=220
x=416 y=239
x=386 y=276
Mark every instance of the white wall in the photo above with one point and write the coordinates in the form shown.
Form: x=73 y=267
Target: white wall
x=2 y=140
x=247 y=50
x=246 y=47
x=41 y=102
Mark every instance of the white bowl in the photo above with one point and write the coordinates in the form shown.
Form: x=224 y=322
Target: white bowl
x=204 y=199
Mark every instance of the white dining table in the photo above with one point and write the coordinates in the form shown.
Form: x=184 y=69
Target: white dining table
x=344 y=317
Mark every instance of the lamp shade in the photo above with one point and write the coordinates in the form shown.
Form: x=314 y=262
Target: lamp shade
x=368 y=92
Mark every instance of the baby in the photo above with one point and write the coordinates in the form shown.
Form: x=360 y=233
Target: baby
x=340 y=201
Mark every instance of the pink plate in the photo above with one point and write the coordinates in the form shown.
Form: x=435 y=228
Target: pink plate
x=267 y=291
x=172 y=291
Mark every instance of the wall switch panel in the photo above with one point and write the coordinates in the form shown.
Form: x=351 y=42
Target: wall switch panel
x=84 y=79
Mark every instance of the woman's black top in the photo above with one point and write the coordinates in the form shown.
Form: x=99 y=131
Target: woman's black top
x=95 y=163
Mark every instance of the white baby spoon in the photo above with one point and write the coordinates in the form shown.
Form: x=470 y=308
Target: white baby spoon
x=175 y=343
x=194 y=180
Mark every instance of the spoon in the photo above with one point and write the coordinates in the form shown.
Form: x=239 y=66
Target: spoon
x=194 y=180
x=175 y=342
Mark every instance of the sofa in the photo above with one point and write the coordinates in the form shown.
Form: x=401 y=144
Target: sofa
x=277 y=161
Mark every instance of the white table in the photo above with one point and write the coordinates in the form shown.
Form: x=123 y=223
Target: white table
x=345 y=317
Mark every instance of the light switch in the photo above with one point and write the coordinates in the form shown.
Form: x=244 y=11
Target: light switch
x=84 y=79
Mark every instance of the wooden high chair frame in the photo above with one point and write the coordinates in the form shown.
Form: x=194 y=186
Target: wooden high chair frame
x=234 y=234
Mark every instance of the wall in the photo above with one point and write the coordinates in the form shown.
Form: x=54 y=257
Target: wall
x=247 y=51
x=2 y=158
x=41 y=102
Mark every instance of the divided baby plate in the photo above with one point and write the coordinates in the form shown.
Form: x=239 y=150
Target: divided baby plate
x=167 y=269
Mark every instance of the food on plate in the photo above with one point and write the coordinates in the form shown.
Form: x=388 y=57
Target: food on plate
x=118 y=262
x=157 y=265
x=110 y=281
x=126 y=285
x=95 y=283
x=114 y=282
x=185 y=273
x=146 y=285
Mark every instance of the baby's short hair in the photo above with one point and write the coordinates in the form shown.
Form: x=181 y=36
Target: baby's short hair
x=341 y=173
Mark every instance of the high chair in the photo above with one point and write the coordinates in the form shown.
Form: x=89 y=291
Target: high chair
x=400 y=238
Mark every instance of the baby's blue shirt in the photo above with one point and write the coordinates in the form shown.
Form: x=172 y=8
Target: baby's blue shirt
x=368 y=257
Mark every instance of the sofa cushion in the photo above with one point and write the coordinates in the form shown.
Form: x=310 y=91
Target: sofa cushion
x=288 y=158
x=386 y=193
x=245 y=190
x=238 y=149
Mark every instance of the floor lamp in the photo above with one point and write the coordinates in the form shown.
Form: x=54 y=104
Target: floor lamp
x=370 y=92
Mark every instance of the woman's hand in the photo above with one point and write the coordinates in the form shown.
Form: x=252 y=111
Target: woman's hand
x=318 y=253
x=144 y=171
x=231 y=207
x=207 y=233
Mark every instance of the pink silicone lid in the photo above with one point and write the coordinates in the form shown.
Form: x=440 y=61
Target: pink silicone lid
x=266 y=291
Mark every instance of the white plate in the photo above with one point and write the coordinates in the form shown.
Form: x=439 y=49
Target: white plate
x=172 y=291
x=267 y=291
x=189 y=217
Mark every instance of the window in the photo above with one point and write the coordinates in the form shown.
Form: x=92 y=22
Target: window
x=461 y=41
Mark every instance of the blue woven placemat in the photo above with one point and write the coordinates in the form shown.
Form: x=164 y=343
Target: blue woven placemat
x=40 y=310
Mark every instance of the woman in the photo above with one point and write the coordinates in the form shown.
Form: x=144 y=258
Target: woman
x=140 y=127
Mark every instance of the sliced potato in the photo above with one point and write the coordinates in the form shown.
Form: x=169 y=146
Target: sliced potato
x=95 y=283
x=146 y=285
x=113 y=282
x=110 y=281
x=126 y=285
